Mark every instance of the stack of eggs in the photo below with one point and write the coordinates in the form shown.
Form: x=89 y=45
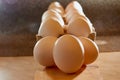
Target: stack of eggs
x=66 y=38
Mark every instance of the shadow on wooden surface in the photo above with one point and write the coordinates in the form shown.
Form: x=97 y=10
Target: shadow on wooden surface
x=85 y=73
x=55 y=73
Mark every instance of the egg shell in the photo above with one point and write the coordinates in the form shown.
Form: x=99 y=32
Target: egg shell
x=52 y=13
x=79 y=27
x=68 y=6
x=50 y=27
x=74 y=16
x=68 y=53
x=43 y=51
x=58 y=11
x=56 y=5
x=75 y=5
x=72 y=10
x=91 y=50
x=77 y=16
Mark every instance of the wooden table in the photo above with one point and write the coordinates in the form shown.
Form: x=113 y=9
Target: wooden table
x=106 y=67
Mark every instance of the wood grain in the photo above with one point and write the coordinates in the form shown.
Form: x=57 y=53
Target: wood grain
x=106 y=67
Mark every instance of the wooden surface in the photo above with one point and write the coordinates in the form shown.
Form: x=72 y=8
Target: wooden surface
x=106 y=67
x=89 y=72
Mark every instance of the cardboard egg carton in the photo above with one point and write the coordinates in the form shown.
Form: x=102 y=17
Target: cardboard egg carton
x=63 y=12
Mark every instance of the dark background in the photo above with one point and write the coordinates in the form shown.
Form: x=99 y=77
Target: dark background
x=20 y=21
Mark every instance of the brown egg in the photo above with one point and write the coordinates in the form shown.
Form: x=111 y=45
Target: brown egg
x=91 y=50
x=58 y=11
x=73 y=10
x=79 y=27
x=52 y=13
x=74 y=16
x=75 y=5
x=56 y=5
x=77 y=16
x=43 y=51
x=68 y=53
x=51 y=27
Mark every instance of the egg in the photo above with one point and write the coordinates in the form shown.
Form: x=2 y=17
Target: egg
x=77 y=16
x=43 y=51
x=73 y=16
x=79 y=27
x=58 y=11
x=56 y=5
x=51 y=13
x=72 y=10
x=75 y=5
x=68 y=53
x=91 y=50
x=51 y=27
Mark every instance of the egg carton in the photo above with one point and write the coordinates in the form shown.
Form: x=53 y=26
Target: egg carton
x=91 y=36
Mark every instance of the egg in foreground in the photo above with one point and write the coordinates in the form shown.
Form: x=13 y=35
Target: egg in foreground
x=68 y=54
x=43 y=51
x=91 y=50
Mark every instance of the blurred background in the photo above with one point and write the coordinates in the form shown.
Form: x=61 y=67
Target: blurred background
x=20 y=21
